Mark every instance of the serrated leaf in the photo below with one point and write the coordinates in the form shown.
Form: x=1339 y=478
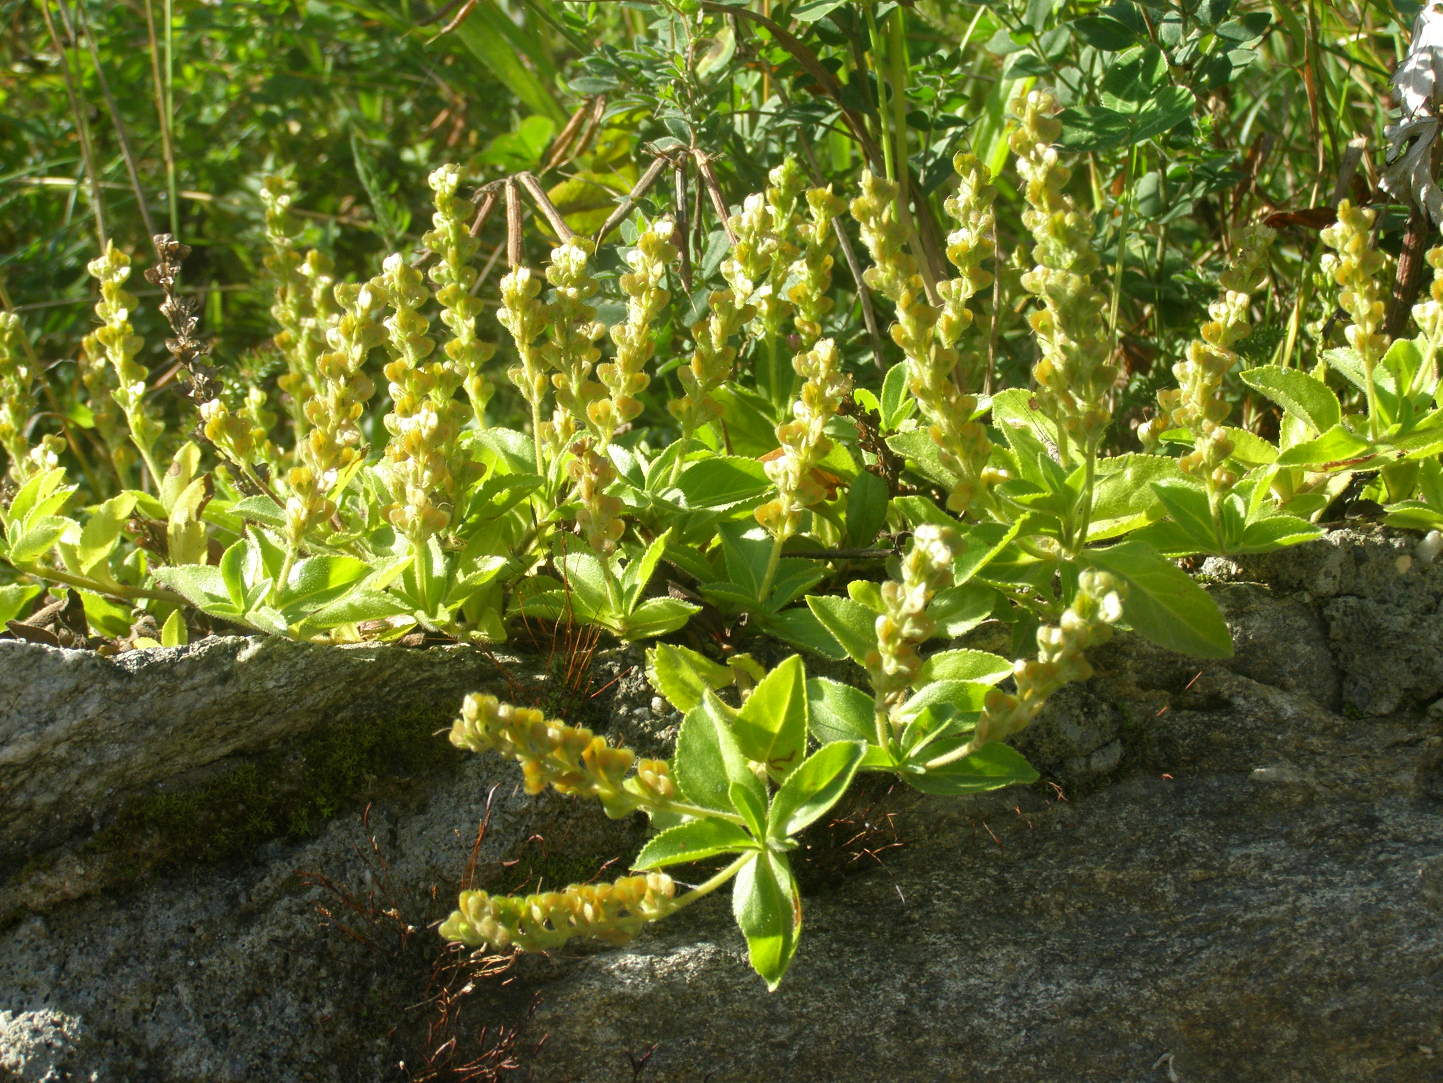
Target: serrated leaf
x=1299 y=394
x=965 y=665
x=1334 y=447
x=851 y=624
x=769 y=913
x=814 y=787
x=771 y=727
x=694 y=841
x=682 y=676
x=839 y=712
x=991 y=767
x=723 y=481
x=1162 y=603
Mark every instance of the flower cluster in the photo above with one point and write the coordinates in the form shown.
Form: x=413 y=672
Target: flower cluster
x=1075 y=373
x=612 y=912
x=523 y=314
x=903 y=625
x=812 y=269
x=572 y=331
x=803 y=441
x=1060 y=659
x=711 y=361
x=928 y=333
x=1198 y=403
x=1428 y=314
x=116 y=340
x=599 y=516
x=334 y=441
x=303 y=306
x=425 y=418
x=766 y=247
x=17 y=399
x=455 y=280
x=625 y=376
x=1358 y=267
x=569 y=759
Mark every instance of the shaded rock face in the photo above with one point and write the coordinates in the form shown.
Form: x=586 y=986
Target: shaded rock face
x=1236 y=873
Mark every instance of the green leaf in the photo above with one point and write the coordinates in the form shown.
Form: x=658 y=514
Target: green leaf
x=1276 y=532
x=701 y=772
x=42 y=495
x=1103 y=32
x=173 y=632
x=200 y=584
x=957 y=610
x=959 y=696
x=897 y=405
x=1162 y=602
x=771 y=727
x=982 y=544
x=751 y=803
x=1102 y=127
x=1299 y=394
x=260 y=509
x=682 y=676
x=800 y=627
x=920 y=451
x=813 y=788
x=769 y=913
x=1335 y=448
x=723 y=481
x=639 y=572
x=694 y=841
x=866 y=509
x=964 y=665
x=1187 y=507
x=316 y=580
x=37 y=538
x=1122 y=493
x=102 y=530
x=355 y=607
x=991 y=767
x=655 y=617
x=852 y=625
x=13 y=599
x=839 y=712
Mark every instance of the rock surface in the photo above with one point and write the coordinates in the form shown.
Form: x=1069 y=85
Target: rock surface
x=1239 y=876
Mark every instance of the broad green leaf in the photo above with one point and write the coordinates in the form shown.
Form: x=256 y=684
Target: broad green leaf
x=839 y=712
x=1275 y=532
x=813 y=788
x=354 y=607
x=867 y=593
x=316 y=580
x=723 y=481
x=1162 y=603
x=771 y=727
x=920 y=451
x=102 y=530
x=1250 y=448
x=769 y=913
x=41 y=496
x=200 y=584
x=964 y=665
x=639 y=572
x=982 y=544
x=1298 y=393
x=260 y=509
x=701 y=773
x=173 y=632
x=897 y=405
x=991 y=767
x=960 y=696
x=751 y=803
x=957 y=610
x=655 y=617
x=1335 y=448
x=14 y=597
x=38 y=537
x=682 y=676
x=586 y=577
x=1187 y=507
x=693 y=841
x=852 y=625
x=866 y=509
x=1122 y=494
x=800 y=627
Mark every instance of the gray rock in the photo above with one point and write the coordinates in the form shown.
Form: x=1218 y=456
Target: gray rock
x=1224 y=877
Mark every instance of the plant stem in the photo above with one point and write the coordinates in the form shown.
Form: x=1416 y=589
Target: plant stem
x=701 y=891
